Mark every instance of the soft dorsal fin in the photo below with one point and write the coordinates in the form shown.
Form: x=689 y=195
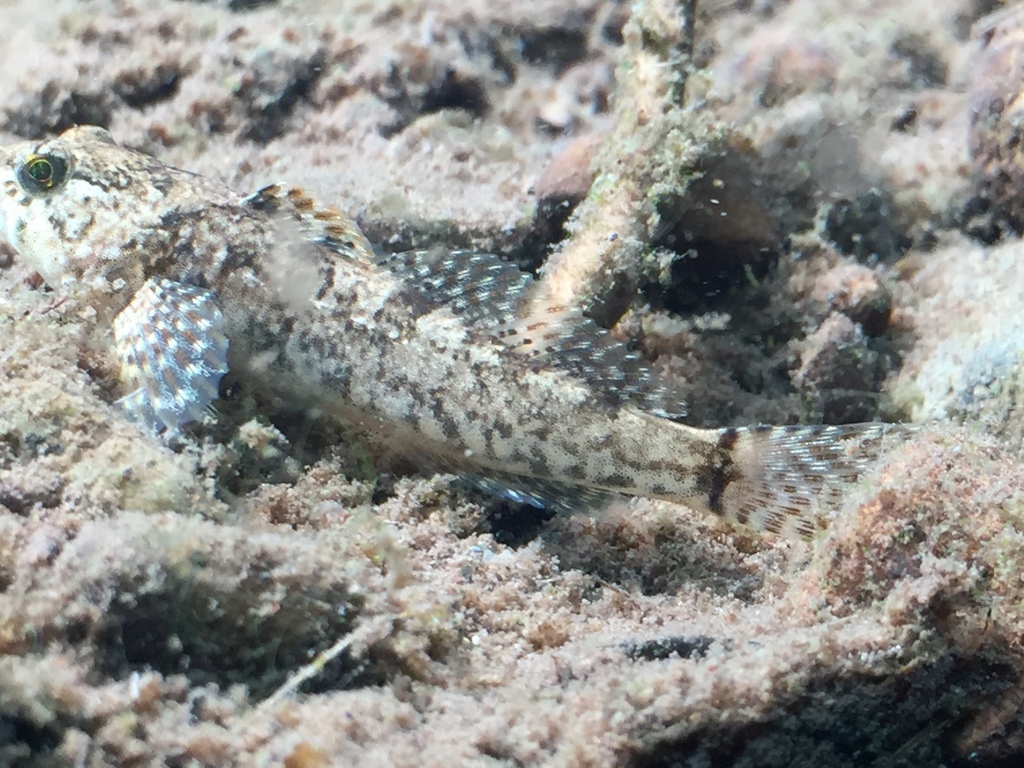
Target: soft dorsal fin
x=495 y=297
x=566 y=338
x=477 y=286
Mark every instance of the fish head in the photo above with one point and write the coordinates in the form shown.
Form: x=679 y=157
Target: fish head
x=81 y=210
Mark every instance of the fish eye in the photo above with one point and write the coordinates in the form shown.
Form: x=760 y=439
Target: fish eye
x=41 y=173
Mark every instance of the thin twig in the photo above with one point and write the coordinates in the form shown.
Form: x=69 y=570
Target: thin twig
x=307 y=672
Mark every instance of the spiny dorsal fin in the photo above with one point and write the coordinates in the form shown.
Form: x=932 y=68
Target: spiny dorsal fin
x=477 y=286
x=321 y=224
x=495 y=298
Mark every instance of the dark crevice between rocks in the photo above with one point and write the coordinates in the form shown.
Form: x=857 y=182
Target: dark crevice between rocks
x=238 y=5
x=249 y=5
x=272 y=90
x=188 y=626
x=515 y=524
x=986 y=222
x=456 y=92
x=555 y=47
x=925 y=66
x=547 y=229
x=490 y=44
x=141 y=89
x=705 y=276
x=27 y=744
x=562 y=186
x=679 y=646
x=866 y=228
x=906 y=719
x=449 y=89
x=22 y=502
x=55 y=109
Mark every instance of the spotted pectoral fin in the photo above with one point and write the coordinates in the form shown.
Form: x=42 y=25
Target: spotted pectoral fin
x=172 y=348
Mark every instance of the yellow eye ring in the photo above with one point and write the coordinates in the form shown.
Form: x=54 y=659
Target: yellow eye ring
x=41 y=173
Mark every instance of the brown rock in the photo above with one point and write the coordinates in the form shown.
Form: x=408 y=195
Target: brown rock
x=564 y=183
x=722 y=206
x=857 y=292
x=839 y=370
x=997 y=116
x=780 y=69
x=568 y=176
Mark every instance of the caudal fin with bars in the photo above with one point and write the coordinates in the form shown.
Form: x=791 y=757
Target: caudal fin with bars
x=792 y=478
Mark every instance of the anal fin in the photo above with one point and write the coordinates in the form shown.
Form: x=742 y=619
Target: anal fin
x=541 y=493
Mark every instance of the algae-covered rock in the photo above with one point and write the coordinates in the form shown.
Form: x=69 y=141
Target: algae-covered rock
x=967 y=363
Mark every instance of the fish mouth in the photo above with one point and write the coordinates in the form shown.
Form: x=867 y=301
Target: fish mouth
x=8 y=197
x=8 y=194
x=12 y=197
x=5 y=231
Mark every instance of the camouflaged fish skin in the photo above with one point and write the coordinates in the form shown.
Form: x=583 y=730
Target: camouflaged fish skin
x=441 y=352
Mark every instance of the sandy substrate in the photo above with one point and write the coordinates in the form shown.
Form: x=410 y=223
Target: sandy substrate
x=822 y=225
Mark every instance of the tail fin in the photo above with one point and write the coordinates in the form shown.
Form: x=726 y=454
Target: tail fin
x=791 y=478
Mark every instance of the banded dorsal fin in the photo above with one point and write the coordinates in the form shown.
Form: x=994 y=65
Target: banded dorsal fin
x=320 y=224
x=479 y=287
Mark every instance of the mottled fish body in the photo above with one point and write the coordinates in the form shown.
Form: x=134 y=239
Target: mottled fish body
x=447 y=353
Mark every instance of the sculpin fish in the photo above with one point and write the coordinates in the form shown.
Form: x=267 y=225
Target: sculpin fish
x=443 y=352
